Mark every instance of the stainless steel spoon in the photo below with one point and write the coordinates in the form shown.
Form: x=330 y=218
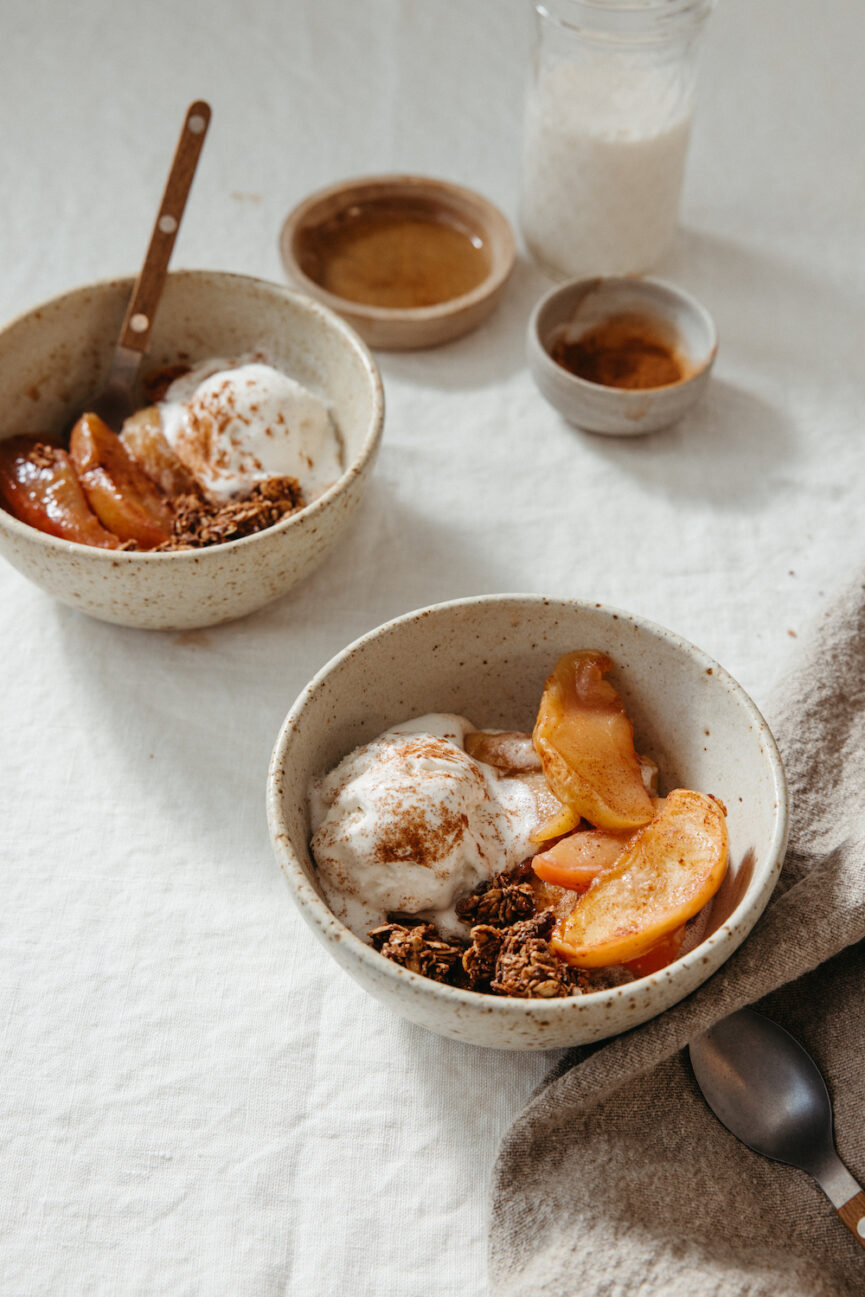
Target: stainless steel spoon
x=763 y=1086
x=114 y=403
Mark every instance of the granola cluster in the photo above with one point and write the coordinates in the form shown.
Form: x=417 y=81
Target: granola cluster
x=507 y=951
x=418 y=947
x=499 y=902
x=518 y=960
x=198 y=523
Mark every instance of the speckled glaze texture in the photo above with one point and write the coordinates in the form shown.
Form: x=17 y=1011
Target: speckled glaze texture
x=488 y=658
x=55 y=357
x=614 y=411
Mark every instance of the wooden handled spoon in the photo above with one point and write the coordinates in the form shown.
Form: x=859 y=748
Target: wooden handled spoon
x=114 y=402
x=763 y=1086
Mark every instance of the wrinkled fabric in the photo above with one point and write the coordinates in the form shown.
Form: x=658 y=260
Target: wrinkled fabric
x=195 y=1100
x=617 y=1179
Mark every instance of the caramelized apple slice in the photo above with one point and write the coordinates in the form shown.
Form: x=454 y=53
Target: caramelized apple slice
x=120 y=493
x=39 y=486
x=563 y=821
x=659 y=956
x=586 y=745
x=548 y=896
x=669 y=871
x=143 y=438
x=577 y=860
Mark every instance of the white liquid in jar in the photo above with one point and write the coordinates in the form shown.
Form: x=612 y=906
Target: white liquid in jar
x=604 y=157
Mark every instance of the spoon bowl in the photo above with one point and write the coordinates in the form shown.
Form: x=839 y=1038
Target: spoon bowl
x=768 y=1091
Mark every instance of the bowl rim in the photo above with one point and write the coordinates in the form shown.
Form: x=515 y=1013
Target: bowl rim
x=116 y=557
x=539 y=351
x=330 y=928
x=491 y=217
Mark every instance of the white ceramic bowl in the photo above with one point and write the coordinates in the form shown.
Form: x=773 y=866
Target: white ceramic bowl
x=55 y=357
x=582 y=304
x=488 y=658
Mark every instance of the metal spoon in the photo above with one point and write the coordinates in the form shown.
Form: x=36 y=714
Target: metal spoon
x=762 y=1085
x=114 y=403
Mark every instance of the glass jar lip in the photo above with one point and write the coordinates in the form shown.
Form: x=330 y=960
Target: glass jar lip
x=640 y=21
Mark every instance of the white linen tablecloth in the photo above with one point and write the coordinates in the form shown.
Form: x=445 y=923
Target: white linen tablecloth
x=195 y=1099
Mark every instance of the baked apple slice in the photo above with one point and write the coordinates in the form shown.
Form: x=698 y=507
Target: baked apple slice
x=667 y=873
x=142 y=436
x=39 y=486
x=659 y=956
x=577 y=860
x=586 y=745
x=120 y=493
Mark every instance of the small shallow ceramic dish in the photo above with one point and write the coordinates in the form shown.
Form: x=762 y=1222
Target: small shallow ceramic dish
x=581 y=305
x=312 y=244
x=488 y=658
x=55 y=357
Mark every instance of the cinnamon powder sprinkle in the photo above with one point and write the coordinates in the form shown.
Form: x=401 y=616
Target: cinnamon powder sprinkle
x=624 y=351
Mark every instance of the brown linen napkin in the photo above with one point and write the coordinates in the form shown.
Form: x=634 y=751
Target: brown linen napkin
x=616 y=1180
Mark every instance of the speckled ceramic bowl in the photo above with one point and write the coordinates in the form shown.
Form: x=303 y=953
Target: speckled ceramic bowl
x=55 y=357
x=488 y=659
x=580 y=305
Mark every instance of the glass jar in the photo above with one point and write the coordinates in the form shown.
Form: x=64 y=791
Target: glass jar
x=608 y=116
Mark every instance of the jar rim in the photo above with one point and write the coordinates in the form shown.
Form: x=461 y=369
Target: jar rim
x=642 y=21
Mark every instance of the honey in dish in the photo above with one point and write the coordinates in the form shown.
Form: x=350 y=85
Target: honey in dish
x=627 y=350
x=394 y=255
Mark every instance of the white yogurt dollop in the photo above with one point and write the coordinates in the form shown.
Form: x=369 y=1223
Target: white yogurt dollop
x=236 y=423
x=410 y=823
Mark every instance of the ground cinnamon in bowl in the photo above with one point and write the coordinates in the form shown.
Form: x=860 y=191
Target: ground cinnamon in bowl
x=629 y=351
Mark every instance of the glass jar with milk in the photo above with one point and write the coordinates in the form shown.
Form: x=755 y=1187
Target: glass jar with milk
x=608 y=116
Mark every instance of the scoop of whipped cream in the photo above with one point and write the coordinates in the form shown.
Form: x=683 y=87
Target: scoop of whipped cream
x=234 y=423
x=410 y=823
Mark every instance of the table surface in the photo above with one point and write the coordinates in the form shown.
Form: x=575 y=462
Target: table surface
x=195 y=1098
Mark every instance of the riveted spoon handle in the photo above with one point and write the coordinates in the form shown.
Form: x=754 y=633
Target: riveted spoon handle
x=138 y=322
x=853 y=1215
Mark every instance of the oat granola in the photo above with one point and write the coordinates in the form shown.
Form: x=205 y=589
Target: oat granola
x=419 y=948
x=499 y=901
x=479 y=961
x=509 y=958
x=197 y=523
x=527 y=966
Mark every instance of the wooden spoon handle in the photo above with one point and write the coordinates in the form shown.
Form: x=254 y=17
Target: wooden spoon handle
x=138 y=321
x=853 y=1215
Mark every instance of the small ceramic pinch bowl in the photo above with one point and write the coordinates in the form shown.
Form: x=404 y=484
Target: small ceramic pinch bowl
x=575 y=308
x=54 y=358
x=309 y=228
x=488 y=658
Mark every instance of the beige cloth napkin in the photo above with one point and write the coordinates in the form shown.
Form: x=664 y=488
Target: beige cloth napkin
x=617 y=1181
